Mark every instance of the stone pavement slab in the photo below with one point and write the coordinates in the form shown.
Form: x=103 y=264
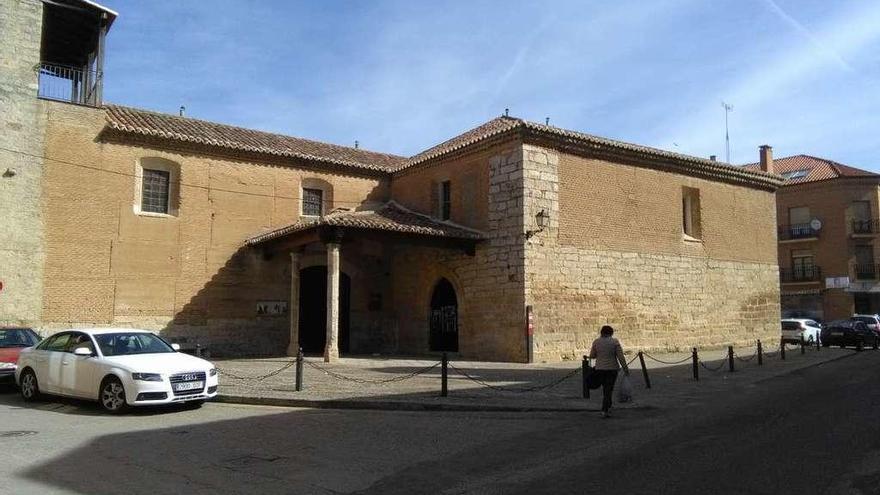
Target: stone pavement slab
x=414 y=384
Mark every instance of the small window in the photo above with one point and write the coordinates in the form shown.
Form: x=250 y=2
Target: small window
x=156 y=187
x=445 y=200
x=690 y=212
x=795 y=174
x=313 y=202
x=156 y=190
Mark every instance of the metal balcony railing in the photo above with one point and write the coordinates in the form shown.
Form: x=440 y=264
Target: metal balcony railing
x=801 y=274
x=796 y=231
x=869 y=226
x=865 y=271
x=70 y=84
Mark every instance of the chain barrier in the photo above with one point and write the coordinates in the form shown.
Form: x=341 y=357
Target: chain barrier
x=633 y=359
x=718 y=368
x=399 y=378
x=256 y=378
x=498 y=388
x=667 y=362
x=745 y=360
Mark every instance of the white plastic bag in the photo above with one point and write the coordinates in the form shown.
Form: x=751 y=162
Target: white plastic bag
x=624 y=389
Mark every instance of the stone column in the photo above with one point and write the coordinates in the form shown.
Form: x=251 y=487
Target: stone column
x=331 y=351
x=293 y=307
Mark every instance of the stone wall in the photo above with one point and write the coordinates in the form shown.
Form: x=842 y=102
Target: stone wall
x=613 y=253
x=489 y=284
x=188 y=273
x=21 y=168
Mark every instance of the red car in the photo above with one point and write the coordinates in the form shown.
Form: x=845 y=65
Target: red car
x=12 y=341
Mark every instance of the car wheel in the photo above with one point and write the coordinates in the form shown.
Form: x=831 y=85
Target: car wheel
x=30 y=389
x=112 y=395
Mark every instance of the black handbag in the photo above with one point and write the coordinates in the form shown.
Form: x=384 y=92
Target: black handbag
x=594 y=379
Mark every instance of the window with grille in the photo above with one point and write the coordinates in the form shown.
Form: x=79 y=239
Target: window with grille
x=313 y=202
x=155 y=192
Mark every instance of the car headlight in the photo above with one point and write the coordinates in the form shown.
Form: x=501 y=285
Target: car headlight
x=4 y=366
x=212 y=372
x=147 y=377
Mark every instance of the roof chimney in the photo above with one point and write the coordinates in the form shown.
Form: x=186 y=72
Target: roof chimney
x=713 y=157
x=766 y=152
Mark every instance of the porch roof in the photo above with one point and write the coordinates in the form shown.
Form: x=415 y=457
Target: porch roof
x=390 y=217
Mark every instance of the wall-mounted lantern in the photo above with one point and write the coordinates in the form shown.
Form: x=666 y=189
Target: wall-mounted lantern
x=542 y=219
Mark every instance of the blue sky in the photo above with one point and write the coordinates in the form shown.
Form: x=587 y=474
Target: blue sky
x=401 y=76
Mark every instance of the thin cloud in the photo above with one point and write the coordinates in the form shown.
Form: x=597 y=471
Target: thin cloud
x=817 y=43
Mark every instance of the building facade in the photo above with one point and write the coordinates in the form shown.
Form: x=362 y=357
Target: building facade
x=828 y=215
x=512 y=241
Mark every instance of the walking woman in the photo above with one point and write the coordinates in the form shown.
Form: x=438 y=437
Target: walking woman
x=609 y=358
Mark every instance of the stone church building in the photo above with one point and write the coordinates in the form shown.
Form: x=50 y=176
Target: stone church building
x=513 y=241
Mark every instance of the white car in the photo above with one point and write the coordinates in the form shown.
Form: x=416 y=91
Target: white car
x=794 y=328
x=118 y=367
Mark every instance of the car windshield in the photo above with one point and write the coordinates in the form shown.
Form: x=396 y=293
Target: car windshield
x=866 y=319
x=791 y=325
x=18 y=337
x=122 y=344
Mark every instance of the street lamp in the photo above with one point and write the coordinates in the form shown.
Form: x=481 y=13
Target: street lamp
x=542 y=219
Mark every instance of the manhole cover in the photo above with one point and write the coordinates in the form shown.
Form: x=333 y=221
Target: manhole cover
x=22 y=433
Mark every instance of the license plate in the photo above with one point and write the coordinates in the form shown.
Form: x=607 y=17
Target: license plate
x=837 y=334
x=180 y=387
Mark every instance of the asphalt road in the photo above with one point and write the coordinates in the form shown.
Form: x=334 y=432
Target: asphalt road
x=813 y=431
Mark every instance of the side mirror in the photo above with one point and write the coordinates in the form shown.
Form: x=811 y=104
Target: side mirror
x=82 y=351
x=176 y=347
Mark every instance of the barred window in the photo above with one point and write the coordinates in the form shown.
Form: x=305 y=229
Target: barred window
x=155 y=193
x=313 y=202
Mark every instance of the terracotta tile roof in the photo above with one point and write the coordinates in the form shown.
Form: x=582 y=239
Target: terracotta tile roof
x=187 y=130
x=798 y=169
x=493 y=127
x=573 y=139
x=389 y=217
x=193 y=131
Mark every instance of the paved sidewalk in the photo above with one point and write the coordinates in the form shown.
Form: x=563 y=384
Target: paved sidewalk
x=414 y=384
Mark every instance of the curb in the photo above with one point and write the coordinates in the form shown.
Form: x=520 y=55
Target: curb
x=811 y=365
x=392 y=405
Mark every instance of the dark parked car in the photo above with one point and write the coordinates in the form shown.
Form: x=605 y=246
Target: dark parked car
x=849 y=333
x=12 y=341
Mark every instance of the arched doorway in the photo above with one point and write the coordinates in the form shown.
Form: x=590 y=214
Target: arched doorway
x=313 y=310
x=444 y=318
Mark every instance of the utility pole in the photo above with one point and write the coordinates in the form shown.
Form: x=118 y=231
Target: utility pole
x=727 y=110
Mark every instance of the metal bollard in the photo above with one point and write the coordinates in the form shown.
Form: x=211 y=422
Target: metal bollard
x=760 y=354
x=444 y=376
x=696 y=361
x=782 y=349
x=730 y=358
x=818 y=342
x=644 y=370
x=860 y=346
x=586 y=371
x=803 y=345
x=299 y=370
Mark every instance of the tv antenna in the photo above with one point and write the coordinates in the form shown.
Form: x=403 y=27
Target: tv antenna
x=727 y=110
